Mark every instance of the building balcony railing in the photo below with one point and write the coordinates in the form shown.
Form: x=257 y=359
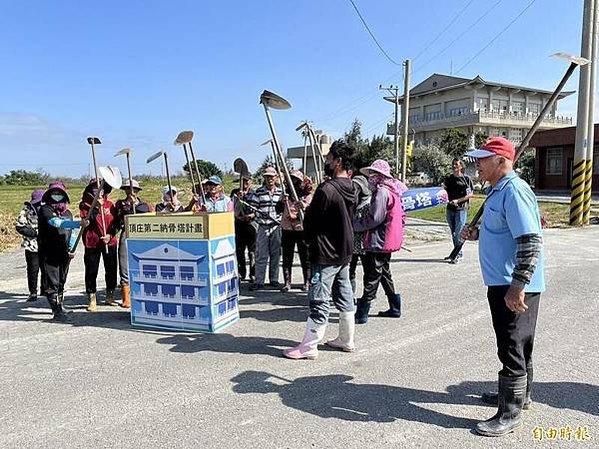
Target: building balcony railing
x=185 y=279
x=485 y=118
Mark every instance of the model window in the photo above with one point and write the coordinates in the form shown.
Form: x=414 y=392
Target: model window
x=169 y=290
x=152 y=307
x=188 y=291
x=167 y=272
x=151 y=289
x=150 y=271
x=188 y=311
x=186 y=273
x=169 y=309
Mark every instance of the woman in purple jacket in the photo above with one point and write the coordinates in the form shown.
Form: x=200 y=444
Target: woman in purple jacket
x=383 y=226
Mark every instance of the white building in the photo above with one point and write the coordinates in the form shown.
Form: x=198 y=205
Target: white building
x=171 y=286
x=441 y=102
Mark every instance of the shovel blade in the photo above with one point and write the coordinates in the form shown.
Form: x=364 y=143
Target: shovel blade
x=184 y=137
x=93 y=140
x=123 y=151
x=155 y=156
x=274 y=101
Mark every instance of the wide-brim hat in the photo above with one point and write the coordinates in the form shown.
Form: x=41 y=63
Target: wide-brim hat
x=380 y=167
x=53 y=187
x=134 y=183
x=36 y=196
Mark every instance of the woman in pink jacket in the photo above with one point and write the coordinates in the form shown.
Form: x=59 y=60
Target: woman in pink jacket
x=384 y=225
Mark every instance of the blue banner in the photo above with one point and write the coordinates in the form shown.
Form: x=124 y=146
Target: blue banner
x=423 y=198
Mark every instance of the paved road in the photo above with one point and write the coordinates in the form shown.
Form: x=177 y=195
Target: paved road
x=413 y=382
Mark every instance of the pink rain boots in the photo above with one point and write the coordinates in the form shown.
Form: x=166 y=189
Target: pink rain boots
x=308 y=348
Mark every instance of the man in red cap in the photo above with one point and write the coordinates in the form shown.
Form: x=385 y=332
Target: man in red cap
x=511 y=260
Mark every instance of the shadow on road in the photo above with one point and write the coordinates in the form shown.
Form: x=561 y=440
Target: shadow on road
x=227 y=344
x=335 y=396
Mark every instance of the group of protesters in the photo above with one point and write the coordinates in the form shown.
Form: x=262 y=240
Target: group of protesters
x=354 y=215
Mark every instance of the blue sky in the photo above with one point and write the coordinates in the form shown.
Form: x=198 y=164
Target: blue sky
x=135 y=73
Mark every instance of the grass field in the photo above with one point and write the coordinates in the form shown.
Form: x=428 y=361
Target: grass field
x=12 y=197
x=556 y=215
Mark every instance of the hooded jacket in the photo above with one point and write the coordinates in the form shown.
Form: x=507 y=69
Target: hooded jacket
x=328 y=222
x=384 y=222
x=27 y=226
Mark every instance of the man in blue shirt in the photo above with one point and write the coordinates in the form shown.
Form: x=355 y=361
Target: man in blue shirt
x=511 y=260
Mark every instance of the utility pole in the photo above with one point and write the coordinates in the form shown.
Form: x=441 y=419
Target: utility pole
x=588 y=183
x=582 y=120
x=394 y=90
x=406 y=125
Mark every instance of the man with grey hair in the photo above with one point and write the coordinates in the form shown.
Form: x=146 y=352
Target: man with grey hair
x=511 y=260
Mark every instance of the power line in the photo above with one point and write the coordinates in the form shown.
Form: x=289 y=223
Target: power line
x=372 y=35
x=467 y=30
x=497 y=36
x=451 y=22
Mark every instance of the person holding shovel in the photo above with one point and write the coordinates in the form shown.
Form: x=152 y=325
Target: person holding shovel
x=100 y=242
x=131 y=204
x=293 y=230
x=55 y=241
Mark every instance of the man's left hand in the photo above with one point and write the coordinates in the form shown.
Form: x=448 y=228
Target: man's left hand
x=514 y=300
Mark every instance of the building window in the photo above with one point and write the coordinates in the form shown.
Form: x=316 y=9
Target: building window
x=534 y=108
x=499 y=106
x=554 y=161
x=483 y=104
x=230 y=266
x=596 y=161
x=499 y=132
x=167 y=272
x=515 y=134
x=186 y=273
x=518 y=107
x=220 y=269
x=458 y=111
x=150 y=271
x=188 y=291
x=169 y=290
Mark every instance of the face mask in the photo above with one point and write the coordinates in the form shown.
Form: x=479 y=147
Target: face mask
x=57 y=198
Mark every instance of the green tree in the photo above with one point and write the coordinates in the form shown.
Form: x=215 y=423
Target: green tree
x=433 y=161
x=354 y=136
x=456 y=142
x=24 y=178
x=206 y=169
x=526 y=166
